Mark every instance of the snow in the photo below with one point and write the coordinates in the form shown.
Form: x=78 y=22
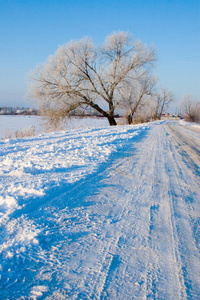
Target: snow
x=101 y=213
x=190 y=124
x=10 y=124
x=30 y=166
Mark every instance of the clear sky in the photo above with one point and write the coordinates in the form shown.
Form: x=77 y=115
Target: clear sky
x=31 y=30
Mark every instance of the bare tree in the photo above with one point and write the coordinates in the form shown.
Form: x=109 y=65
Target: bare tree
x=190 y=110
x=81 y=75
x=135 y=94
x=162 y=101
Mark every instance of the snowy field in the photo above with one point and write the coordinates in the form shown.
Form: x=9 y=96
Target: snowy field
x=101 y=213
x=10 y=124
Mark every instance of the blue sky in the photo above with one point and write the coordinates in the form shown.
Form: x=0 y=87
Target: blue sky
x=30 y=31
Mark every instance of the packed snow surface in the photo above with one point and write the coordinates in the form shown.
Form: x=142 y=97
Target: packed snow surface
x=101 y=213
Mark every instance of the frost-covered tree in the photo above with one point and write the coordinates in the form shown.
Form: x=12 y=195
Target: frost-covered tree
x=162 y=101
x=135 y=94
x=81 y=75
x=190 y=110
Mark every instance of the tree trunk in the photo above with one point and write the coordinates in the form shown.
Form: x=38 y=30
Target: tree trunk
x=111 y=121
x=130 y=119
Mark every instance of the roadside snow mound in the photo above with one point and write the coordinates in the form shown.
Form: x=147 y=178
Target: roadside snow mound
x=29 y=167
x=190 y=124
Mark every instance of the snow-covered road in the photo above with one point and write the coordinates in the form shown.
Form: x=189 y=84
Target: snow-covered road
x=124 y=226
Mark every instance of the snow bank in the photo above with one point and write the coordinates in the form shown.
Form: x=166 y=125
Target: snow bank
x=194 y=125
x=29 y=167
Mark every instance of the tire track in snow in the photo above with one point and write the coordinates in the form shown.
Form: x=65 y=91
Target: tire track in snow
x=148 y=279
x=191 y=160
x=162 y=282
x=189 y=148
x=159 y=272
x=119 y=281
x=184 y=190
x=164 y=263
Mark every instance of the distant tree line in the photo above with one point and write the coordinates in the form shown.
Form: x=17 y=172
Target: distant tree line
x=6 y=110
x=110 y=80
